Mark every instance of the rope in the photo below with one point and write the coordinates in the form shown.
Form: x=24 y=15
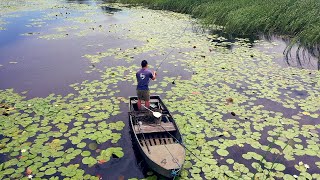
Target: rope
x=180 y=142
x=174 y=172
x=172 y=156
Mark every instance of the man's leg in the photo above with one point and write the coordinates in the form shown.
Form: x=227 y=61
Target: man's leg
x=147 y=103
x=147 y=98
x=139 y=99
x=139 y=104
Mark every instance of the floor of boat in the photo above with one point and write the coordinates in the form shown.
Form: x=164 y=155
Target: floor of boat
x=168 y=156
x=164 y=150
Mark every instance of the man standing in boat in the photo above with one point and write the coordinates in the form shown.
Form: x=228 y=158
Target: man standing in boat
x=143 y=77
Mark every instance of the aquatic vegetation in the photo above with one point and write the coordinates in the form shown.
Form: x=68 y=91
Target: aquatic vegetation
x=2 y=23
x=295 y=18
x=46 y=127
x=241 y=113
x=219 y=75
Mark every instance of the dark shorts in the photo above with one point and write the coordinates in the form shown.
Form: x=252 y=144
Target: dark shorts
x=143 y=95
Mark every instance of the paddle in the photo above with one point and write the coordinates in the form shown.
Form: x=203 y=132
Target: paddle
x=155 y=114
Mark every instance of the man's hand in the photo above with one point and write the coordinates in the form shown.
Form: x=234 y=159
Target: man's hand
x=154 y=75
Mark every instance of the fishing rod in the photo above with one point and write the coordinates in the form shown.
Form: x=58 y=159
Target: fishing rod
x=164 y=59
x=170 y=51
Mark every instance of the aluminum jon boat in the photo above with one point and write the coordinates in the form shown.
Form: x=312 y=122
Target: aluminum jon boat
x=158 y=139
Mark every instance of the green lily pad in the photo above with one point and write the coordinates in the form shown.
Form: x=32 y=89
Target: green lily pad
x=279 y=167
x=86 y=153
x=230 y=161
x=50 y=171
x=81 y=145
x=222 y=152
x=90 y=161
x=93 y=146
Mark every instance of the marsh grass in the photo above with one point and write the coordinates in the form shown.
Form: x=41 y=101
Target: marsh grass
x=296 y=19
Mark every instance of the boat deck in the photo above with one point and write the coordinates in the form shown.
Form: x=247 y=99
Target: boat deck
x=169 y=160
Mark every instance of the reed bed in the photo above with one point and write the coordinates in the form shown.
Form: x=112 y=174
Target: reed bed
x=298 y=20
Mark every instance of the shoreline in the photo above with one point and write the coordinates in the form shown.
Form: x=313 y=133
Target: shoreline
x=245 y=17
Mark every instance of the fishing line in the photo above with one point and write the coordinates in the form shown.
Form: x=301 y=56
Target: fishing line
x=180 y=142
x=171 y=50
x=188 y=64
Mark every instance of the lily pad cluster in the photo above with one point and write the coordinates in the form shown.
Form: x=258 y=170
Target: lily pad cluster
x=240 y=113
x=51 y=136
x=270 y=121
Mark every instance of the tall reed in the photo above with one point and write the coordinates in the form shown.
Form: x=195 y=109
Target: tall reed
x=295 y=19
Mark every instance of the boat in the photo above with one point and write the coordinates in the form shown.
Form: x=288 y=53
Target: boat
x=158 y=139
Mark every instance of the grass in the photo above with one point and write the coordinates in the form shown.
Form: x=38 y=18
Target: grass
x=297 y=19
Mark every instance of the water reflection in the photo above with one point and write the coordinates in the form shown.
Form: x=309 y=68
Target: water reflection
x=80 y=1
x=300 y=57
x=110 y=10
x=293 y=55
x=104 y=8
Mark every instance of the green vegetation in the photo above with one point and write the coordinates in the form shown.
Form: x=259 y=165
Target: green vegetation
x=294 y=18
x=36 y=134
x=242 y=114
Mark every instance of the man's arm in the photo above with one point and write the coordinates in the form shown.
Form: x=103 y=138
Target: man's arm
x=154 y=74
x=136 y=77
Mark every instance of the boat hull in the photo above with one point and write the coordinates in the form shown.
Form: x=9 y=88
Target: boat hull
x=168 y=173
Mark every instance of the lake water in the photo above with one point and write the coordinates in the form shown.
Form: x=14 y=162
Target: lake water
x=46 y=46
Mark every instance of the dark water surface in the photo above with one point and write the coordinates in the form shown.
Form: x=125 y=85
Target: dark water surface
x=288 y=55
x=44 y=67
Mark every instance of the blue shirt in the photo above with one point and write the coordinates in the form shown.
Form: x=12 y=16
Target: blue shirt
x=143 y=78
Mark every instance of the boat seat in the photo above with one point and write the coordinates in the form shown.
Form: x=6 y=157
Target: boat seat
x=151 y=101
x=146 y=128
x=154 y=100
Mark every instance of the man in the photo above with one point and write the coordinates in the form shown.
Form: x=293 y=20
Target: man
x=143 y=77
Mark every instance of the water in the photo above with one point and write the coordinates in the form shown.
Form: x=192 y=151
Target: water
x=47 y=64
x=298 y=57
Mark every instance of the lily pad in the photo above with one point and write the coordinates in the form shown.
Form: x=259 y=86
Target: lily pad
x=93 y=146
x=50 y=171
x=222 y=152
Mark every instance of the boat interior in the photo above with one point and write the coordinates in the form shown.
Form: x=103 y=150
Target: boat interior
x=153 y=135
x=146 y=123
